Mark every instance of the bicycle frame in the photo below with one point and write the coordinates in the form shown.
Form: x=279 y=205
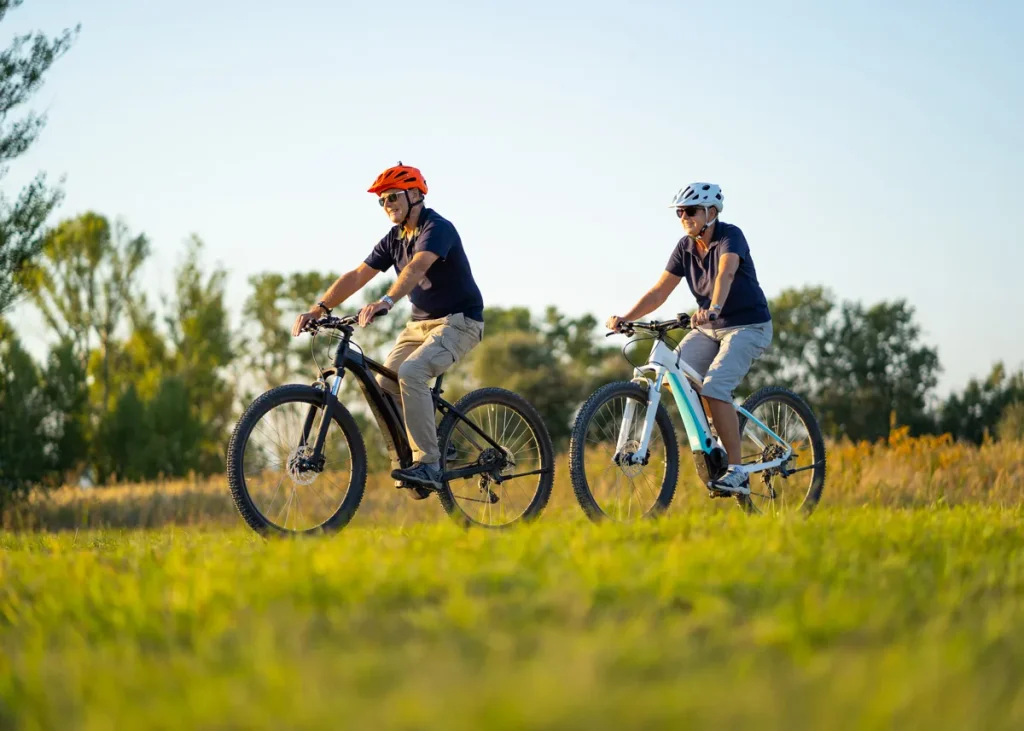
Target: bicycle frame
x=665 y=364
x=386 y=413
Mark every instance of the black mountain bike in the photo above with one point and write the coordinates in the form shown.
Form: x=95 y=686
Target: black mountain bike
x=296 y=462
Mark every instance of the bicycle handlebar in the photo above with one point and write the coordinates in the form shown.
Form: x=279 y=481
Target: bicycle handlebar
x=629 y=328
x=336 y=323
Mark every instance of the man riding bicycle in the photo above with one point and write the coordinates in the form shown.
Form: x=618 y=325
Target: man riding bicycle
x=447 y=310
x=732 y=325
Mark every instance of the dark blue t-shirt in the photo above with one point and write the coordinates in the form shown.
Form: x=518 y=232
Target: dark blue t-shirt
x=746 y=303
x=448 y=287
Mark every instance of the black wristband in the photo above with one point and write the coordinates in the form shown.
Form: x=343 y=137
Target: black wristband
x=324 y=307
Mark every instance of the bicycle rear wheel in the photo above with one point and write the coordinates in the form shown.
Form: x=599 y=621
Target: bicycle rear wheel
x=773 y=492
x=525 y=449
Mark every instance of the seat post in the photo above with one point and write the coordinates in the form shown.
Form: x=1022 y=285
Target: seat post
x=437 y=385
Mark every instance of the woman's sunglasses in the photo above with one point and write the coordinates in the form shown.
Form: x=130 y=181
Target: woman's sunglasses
x=389 y=198
x=690 y=211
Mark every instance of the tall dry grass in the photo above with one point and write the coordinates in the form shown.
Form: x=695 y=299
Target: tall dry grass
x=900 y=472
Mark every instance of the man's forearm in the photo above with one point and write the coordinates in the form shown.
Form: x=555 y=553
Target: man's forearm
x=344 y=287
x=407 y=281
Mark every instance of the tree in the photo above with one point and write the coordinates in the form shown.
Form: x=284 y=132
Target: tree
x=67 y=396
x=554 y=363
x=23 y=447
x=83 y=285
x=800 y=320
x=523 y=362
x=868 y=366
x=980 y=408
x=202 y=346
x=275 y=301
x=22 y=67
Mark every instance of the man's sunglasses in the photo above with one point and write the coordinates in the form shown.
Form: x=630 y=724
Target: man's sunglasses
x=690 y=211
x=389 y=198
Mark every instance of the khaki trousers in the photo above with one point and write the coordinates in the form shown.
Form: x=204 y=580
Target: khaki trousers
x=424 y=350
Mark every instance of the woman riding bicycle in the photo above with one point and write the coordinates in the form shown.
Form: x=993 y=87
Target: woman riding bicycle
x=732 y=325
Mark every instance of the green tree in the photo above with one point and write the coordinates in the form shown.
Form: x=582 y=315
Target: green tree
x=525 y=363
x=980 y=407
x=23 y=65
x=867 y=365
x=84 y=284
x=67 y=395
x=203 y=346
x=800 y=320
x=24 y=446
x=554 y=362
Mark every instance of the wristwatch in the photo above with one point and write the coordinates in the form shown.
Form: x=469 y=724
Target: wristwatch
x=323 y=307
x=714 y=311
x=388 y=301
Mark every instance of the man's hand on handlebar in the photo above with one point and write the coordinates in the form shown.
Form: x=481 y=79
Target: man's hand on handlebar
x=372 y=310
x=303 y=320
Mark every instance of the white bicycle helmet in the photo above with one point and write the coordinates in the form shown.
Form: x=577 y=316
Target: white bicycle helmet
x=708 y=195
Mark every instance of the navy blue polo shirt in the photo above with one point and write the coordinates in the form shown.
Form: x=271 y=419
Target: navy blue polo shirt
x=746 y=303
x=448 y=287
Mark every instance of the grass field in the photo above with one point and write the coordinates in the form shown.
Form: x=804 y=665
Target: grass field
x=899 y=604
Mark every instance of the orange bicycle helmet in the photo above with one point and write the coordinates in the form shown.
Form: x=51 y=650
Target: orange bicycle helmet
x=401 y=177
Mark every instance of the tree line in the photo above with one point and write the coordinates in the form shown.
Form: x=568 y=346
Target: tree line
x=136 y=389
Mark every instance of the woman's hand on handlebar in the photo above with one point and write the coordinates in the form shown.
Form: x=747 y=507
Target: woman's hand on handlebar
x=613 y=323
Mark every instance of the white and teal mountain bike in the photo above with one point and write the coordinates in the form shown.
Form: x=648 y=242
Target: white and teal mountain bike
x=624 y=458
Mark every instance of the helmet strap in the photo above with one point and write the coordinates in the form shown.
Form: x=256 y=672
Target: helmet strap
x=706 y=223
x=408 y=208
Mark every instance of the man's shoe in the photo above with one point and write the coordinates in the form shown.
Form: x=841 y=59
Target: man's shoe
x=421 y=475
x=734 y=482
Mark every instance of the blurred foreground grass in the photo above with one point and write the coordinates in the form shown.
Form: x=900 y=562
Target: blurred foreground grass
x=862 y=617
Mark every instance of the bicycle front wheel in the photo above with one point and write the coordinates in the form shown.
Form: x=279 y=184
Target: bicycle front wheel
x=269 y=473
x=606 y=433
x=524 y=448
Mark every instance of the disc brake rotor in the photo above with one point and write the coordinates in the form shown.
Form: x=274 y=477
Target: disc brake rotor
x=298 y=470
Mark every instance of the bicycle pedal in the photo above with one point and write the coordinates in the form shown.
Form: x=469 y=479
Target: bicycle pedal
x=415 y=491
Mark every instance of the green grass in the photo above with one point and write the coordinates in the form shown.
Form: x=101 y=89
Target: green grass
x=868 y=618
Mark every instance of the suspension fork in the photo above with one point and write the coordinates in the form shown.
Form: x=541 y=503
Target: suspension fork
x=653 y=400
x=330 y=401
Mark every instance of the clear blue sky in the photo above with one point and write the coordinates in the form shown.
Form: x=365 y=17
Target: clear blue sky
x=874 y=148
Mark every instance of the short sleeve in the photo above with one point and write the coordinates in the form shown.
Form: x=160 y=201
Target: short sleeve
x=677 y=261
x=437 y=238
x=380 y=258
x=734 y=242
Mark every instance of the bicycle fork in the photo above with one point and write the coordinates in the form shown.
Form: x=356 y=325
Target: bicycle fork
x=314 y=459
x=639 y=456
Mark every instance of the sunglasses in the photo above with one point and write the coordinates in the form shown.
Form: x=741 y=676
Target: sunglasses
x=690 y=211
x=389 y=198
